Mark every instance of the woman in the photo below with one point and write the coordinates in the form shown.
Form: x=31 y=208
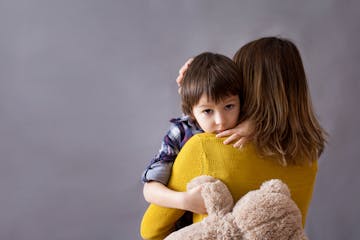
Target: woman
x=285 y=138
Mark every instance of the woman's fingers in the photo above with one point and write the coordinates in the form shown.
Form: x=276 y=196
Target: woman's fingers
x=179 y=79
x=239 y=144
x=225 y=133
x=182 y=71
x=239 y=135
x=232 y=138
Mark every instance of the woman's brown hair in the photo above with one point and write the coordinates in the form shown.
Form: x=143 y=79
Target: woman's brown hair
x=277 y=100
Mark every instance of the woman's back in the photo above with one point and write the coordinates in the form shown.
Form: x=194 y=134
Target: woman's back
x=241 y=171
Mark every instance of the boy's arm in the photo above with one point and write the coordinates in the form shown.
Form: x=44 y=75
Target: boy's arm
x=159 y=194
x=158 y=222
x=160 y=167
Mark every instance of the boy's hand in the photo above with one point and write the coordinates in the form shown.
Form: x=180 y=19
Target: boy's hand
x=241 y=134
x=193 y=201
x=182 y=72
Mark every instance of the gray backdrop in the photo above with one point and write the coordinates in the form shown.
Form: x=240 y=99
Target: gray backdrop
x=87 y=88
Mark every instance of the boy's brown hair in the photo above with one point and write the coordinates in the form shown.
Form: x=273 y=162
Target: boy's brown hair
x=278 y=101
x=212 y=74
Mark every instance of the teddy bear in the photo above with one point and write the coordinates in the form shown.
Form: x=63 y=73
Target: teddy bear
x=267 y=213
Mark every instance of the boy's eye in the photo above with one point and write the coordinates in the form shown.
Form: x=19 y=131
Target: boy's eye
x=229 y=106
x=207 y=111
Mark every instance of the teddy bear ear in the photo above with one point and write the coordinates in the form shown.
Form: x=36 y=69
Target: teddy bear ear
x=217 y=198
x=200 y=180
x=275 y=186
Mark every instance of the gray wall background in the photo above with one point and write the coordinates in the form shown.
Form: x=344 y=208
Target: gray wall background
x=87 y=88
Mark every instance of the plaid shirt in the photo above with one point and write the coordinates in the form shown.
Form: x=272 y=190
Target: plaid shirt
x=181 y=130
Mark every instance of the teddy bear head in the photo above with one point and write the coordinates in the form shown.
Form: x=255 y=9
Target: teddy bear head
x=269 y=213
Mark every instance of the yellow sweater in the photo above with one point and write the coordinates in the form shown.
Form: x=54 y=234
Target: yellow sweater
x=241 y=170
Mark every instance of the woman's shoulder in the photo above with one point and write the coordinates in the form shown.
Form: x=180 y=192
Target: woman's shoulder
x=248 y=155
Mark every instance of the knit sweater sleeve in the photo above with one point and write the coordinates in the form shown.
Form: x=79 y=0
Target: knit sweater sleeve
x=158 y=222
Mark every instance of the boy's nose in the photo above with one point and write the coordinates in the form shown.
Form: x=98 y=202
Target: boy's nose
x=219 y=119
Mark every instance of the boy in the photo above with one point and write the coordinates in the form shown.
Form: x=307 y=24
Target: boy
x=211 y=96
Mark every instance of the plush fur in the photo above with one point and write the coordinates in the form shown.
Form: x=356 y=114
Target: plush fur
x=268 y=213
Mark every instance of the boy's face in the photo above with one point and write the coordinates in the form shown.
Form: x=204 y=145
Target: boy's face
x=215 y=118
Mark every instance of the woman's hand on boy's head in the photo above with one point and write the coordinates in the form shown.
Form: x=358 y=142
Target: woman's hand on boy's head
x=182 y=72
x=239 y=135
